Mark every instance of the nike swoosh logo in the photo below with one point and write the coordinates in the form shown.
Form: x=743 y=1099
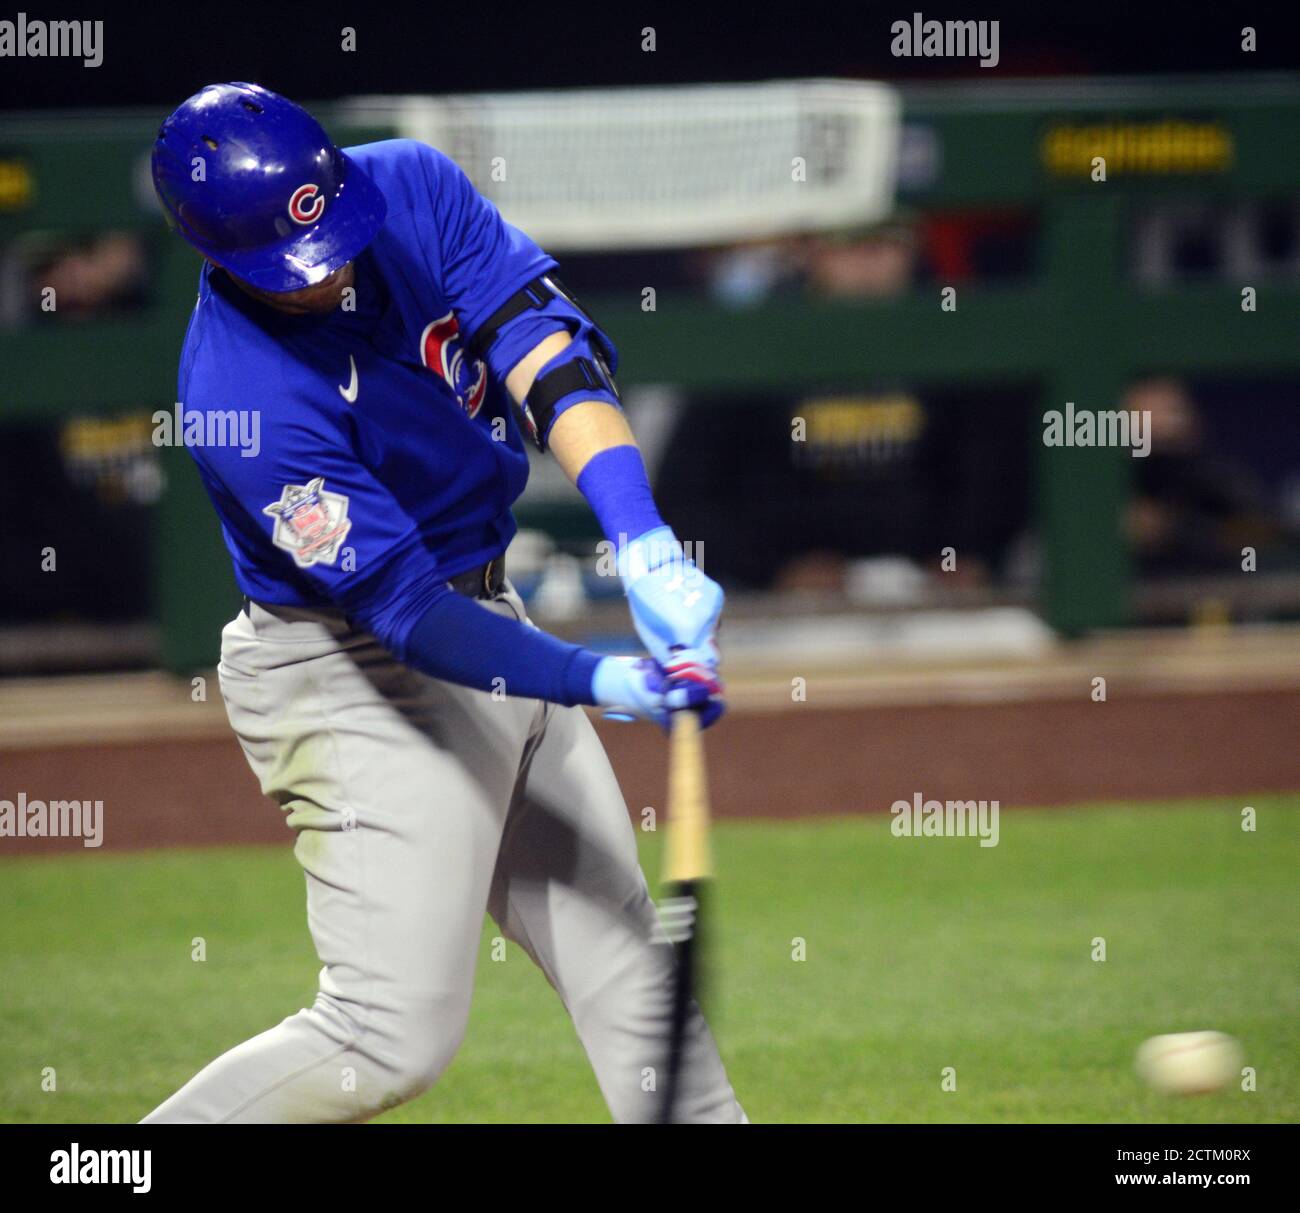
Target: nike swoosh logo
x=349 y=393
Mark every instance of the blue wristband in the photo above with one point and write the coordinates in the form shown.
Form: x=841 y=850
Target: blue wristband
x=615 y=484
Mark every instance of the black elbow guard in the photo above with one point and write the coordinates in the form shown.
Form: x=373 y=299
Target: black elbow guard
x=583 y=370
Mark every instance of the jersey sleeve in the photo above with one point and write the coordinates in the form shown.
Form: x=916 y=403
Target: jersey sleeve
x=483 y=261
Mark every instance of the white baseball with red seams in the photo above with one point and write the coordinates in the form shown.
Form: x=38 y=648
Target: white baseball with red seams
x=1189 y=1063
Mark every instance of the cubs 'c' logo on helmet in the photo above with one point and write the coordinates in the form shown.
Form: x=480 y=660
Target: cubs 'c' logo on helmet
x=306 y=204
x=440 y=351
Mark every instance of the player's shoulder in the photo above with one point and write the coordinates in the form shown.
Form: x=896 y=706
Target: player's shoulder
x=395 y=160
x=393 y=154
x=397 y=155
x=408 y=171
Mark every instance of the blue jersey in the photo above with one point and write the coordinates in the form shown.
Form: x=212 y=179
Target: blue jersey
x=387 y=458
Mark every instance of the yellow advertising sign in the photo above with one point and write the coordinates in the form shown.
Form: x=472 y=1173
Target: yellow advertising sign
x=16 y=185
x=1157 y=148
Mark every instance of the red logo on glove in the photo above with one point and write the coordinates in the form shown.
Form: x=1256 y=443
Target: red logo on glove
x=686 y=670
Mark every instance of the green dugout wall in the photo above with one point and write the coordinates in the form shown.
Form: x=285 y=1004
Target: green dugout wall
x=1079 y=325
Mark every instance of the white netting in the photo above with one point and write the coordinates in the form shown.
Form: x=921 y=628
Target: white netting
x=658 y=167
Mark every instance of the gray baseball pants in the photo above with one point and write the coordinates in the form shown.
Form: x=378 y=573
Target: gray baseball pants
x=419 y=805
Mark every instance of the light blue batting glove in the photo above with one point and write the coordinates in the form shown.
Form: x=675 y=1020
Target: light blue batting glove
x=674 y=605
x=631 y=688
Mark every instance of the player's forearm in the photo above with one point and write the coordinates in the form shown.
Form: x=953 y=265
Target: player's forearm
x=674 y=606
x=593 y=444
x=459 y=641
x=584 y=431
x=597 y=450
x=581 y=430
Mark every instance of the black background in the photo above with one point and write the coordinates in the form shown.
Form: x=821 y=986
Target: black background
x=157 y=54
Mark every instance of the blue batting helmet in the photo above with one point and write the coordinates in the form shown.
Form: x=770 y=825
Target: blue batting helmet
x=252 y=181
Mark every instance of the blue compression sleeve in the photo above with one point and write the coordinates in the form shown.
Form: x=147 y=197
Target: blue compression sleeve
x=615 y=484
x=457 y=640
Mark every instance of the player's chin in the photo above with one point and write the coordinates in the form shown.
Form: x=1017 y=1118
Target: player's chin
x=324 y=297
x=316 y=300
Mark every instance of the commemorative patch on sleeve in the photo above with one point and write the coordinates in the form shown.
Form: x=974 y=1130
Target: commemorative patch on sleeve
x=310 y=523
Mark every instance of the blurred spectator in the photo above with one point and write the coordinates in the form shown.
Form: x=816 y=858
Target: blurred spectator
x=874 y=263
x=857 y=263
x=746 y=275
x=1192 y=509
x=46 y=276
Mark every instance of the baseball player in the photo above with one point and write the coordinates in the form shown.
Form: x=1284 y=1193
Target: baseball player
x=424 y=739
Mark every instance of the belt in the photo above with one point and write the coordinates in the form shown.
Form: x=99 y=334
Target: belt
x=486 y=581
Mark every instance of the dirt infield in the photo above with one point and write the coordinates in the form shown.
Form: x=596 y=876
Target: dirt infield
x=1036 y=753
x=193 y=790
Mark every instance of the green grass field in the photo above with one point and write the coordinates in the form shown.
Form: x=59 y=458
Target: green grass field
x=920 y=954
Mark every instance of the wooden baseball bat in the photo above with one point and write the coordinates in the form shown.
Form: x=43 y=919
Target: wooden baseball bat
x=688 y=857
x=688 y=864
